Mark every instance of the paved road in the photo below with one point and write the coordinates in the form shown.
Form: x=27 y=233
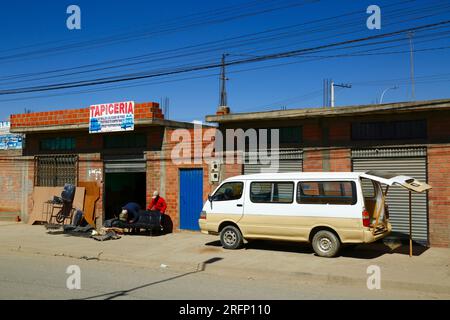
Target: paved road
x=34 y=276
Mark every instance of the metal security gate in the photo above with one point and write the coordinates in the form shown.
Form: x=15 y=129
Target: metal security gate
x=407 y=161
x=56 y=170
x=289 y=160
x=191 y=198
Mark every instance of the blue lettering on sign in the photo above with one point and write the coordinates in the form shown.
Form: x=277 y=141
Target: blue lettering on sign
x=10 y=141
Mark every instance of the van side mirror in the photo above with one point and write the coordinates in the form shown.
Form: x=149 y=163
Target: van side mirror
x=210 y=199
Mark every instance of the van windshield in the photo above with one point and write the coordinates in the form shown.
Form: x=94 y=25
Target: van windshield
x=229 y=191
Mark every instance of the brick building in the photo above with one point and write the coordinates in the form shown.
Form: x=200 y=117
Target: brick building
x=408 y=138
x=127 y=166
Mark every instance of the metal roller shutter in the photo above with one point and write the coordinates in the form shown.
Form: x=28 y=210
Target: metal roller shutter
x=290 y=160
x=121 y=164
x=399 y=162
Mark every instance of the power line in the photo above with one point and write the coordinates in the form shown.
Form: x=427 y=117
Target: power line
x=437 y=78
x=204 y=20
x=207 y=49
x=210 y=66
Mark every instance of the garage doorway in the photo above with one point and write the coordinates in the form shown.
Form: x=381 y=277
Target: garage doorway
x=121 y=188
x=125 y=181
x=407 y=161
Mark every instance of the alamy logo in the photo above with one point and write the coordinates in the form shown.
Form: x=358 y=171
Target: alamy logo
x=73 y=22
x=74 y=280
x=374 y=21
x=374 y=279
x=230 y=146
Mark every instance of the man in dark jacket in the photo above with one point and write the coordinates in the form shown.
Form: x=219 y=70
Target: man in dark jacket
x=131 y=209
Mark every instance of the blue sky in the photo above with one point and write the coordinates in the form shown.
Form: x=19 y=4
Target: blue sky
x=28 y=26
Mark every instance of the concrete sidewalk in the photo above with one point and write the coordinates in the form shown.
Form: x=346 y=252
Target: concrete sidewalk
x=426 y=271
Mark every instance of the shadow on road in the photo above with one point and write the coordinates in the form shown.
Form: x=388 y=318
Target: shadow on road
x=361 y=251
x=116 y=294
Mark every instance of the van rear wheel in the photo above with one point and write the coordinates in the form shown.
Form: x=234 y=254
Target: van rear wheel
x=231 y=237
x=326 y=244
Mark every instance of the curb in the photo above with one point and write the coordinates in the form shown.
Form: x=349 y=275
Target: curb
x=249 y=273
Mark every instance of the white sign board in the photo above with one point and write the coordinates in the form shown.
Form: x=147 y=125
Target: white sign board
x=9 y=141
x=111 y=117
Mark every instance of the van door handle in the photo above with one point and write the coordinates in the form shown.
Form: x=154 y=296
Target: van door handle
x=239 y=205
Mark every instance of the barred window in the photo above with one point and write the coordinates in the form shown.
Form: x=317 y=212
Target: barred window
x=391 y=130
x=56 y=170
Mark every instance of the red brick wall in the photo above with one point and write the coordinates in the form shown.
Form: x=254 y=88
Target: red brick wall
x=439 y=196
x=232 y=170
x=340 y=131
x=146 y=110
x=312 y=133
x=16 y=185
x=312 y=161
x=340 y=160
x=162 y=171
x=438 y=128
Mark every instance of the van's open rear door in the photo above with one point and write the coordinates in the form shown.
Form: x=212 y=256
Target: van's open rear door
x=409 y=183
x=390 y=178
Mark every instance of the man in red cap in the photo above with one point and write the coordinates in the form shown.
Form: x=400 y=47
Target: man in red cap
x=158 y=203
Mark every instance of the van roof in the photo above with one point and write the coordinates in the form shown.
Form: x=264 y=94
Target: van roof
x=298 y=175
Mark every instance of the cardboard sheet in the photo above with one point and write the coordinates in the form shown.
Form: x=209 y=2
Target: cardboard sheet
x=43 y=194
x=91 y=198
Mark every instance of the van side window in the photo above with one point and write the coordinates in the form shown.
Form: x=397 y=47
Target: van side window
x=229 y=191
x=326 y=192
x=272 y=192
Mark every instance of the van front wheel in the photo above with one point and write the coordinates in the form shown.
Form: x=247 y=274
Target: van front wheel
x=231 y=237
x=326 y=244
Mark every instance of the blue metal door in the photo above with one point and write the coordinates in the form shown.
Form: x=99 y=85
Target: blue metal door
x=191 y=198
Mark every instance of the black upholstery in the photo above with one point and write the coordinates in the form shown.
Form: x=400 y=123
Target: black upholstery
x=150 y=220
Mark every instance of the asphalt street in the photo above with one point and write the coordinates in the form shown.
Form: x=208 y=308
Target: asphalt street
x=34 y=276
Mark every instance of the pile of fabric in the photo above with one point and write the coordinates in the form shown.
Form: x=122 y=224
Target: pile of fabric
x=106 y=234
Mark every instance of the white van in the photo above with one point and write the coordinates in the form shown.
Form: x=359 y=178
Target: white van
x=326 y=209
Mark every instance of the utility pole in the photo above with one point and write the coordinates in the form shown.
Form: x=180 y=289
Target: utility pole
x=411 y=58
x=326 y=91
x=341 y=85
x=223 y=90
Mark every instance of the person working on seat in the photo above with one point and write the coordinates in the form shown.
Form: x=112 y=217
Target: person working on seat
x=130 y=212
x=157 y=203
